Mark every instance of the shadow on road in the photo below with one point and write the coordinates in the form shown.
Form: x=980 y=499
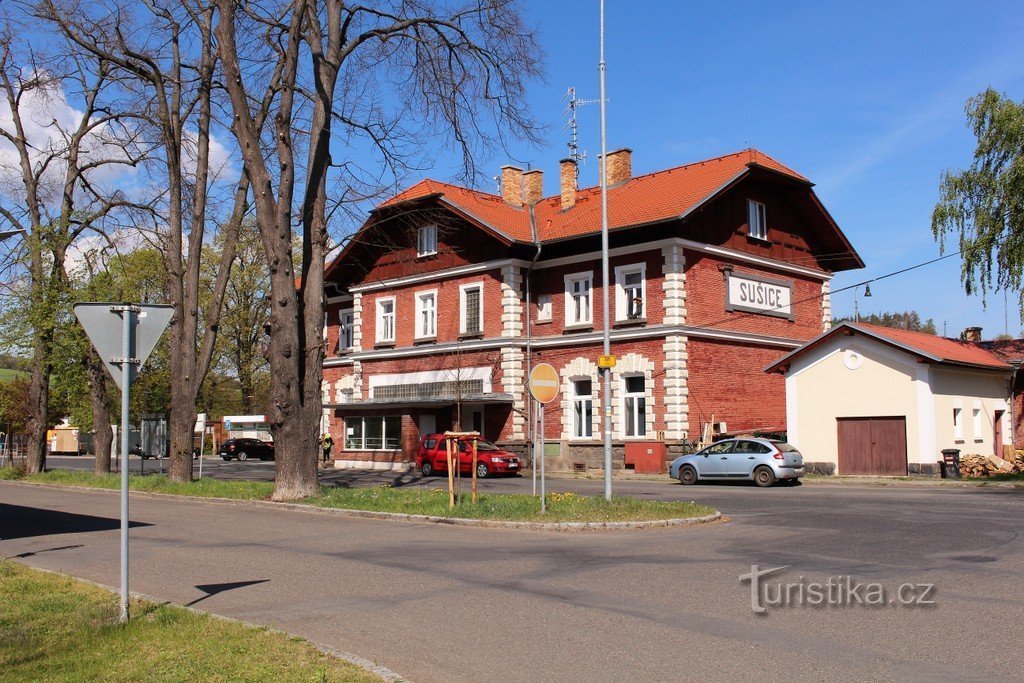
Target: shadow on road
x=25 y=522
x=211 y=589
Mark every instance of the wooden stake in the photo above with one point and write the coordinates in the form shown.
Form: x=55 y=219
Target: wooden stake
x=451 y=473
x=474 y=470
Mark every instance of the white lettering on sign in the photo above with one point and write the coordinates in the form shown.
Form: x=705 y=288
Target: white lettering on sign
x=756 y=295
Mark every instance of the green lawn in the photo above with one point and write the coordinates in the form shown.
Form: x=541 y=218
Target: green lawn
x=56 y=629
x=8 y=375
x=562 y=507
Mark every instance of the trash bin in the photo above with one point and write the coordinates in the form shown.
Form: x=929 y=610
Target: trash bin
x=950 y=463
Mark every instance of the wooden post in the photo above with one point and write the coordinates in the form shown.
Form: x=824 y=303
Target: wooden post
x=451 y=472
x=474 y=470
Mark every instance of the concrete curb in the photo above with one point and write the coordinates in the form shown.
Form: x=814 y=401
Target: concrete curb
x=402 y=517
x=384 y=672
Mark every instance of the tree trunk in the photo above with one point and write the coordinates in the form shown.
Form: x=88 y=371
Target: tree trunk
x=103 y=435
x=180 y=430
x=38 y=397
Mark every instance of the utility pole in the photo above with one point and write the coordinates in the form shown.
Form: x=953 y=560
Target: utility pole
x=606 y=402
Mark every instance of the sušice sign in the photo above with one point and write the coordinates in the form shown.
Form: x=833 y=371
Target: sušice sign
x=759 y=295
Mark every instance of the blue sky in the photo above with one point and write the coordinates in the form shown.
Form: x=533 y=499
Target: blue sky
x=866 y=99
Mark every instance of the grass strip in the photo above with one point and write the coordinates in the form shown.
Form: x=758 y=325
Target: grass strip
x=562 y=507
x=53 y=628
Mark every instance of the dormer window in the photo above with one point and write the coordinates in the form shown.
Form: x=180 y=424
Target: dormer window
x=426 y=242
x=756 y=220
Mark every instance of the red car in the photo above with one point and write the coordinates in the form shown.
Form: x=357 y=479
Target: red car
x=432 y=458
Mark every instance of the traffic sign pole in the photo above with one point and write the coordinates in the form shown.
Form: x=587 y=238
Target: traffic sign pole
x=126 y=369
x=543 y=459
x=544 y=389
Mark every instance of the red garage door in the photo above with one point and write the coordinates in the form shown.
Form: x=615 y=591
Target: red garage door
x=873 y=445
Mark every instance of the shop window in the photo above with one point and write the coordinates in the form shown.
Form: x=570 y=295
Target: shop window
x=373 y=433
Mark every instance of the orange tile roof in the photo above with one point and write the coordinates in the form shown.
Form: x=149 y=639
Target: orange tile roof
x=642 y=199
x=946 y=349
x=928 y=347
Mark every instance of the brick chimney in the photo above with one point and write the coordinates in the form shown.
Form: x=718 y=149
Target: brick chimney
x=971 y=334
x=533 y=184
x=620 y=165
x=512 y=185
x=567 y=176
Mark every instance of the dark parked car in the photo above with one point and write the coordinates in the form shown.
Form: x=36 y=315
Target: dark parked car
x=243 y=449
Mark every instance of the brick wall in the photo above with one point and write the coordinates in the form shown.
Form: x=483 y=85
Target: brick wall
x=725 y=380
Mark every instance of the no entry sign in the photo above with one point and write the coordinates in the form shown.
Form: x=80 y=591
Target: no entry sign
x=544 y=383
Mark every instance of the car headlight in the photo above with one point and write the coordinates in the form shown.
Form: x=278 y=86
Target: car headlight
x=497 y=459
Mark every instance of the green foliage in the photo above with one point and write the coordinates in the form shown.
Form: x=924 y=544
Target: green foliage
x=907 y=320
x=13 y=399
x=983 y=206
x=56 y=629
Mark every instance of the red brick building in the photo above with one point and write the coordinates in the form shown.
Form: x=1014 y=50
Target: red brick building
x=446 y=297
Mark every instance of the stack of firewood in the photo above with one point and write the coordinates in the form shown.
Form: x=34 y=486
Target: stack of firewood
x=983 y=465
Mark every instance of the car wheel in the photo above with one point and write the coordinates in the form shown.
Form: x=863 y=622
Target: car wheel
x=481 y=470
x=427 y=468
x=763 y=476
x=242 y=455
x=687 y=475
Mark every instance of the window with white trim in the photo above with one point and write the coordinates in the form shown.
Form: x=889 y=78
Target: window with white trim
x=471 y=319
x=977 y=423
x=374 y=433
x=582 y=408
x=756 y=221
x=578 y=298
x=346 y=331
x=958 y=423
x=544 y=307
x=634 y=405
x=386 y=319
x=426 y=241
x=630 y=291
x=426 y=314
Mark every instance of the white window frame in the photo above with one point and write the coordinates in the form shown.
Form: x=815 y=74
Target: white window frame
x=346 y=329
x=621 y=303
x=430 y=331
x=426 y=241
x=626 y=396
x=380 y=319
x=463 y=289
x=757 y=219
x=976 y=413
x=362 y=439
x=588 y=425
x=958 y=422
x=544 y=307
x=570 y=300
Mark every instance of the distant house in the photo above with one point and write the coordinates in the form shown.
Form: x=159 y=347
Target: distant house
x=864 y=399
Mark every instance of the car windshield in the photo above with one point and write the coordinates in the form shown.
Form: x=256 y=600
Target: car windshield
x=784 y=447
x=481 y=445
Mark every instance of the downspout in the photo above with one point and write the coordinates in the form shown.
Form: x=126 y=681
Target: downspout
x=530 y=436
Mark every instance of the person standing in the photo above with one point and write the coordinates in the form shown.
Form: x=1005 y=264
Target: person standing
x=328 y=444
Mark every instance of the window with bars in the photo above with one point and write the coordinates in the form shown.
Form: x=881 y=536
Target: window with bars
x=472 y=310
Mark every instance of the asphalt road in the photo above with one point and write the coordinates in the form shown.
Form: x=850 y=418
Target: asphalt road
x=443 y=603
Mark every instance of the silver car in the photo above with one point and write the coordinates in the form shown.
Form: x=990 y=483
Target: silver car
x=764 y=460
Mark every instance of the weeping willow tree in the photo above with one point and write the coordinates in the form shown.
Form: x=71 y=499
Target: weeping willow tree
x=982 y=207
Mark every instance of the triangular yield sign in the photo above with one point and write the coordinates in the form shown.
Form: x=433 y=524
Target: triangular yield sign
x=103 y=325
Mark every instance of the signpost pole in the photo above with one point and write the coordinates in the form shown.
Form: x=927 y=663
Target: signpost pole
x=126 y=369
x=543 y=460
x=533 y=466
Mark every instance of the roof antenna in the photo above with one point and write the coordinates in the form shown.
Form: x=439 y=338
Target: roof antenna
x=574 y=103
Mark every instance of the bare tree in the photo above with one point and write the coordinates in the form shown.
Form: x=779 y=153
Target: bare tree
x=52 y=181
x=167 y=48
x=458 y=68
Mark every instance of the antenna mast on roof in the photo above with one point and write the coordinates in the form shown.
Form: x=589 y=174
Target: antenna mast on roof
x=574 y=103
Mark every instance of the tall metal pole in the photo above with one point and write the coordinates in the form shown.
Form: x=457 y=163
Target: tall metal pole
x=537 y=407
x=606 y=400
x=126 y=377
x=543 y=459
